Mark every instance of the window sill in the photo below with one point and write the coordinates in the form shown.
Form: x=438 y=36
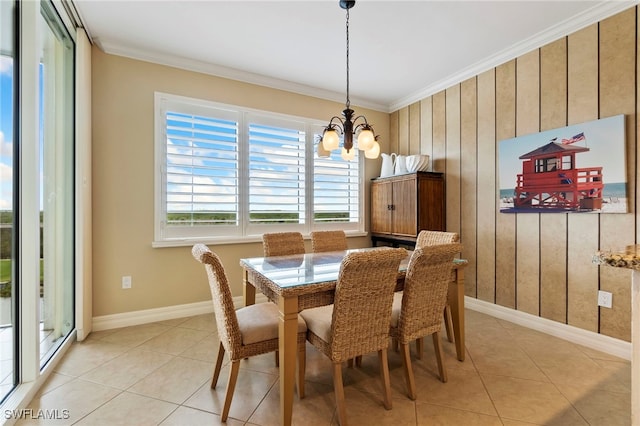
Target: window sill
x=188 y=242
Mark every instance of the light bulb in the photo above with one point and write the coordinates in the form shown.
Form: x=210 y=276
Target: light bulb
x=365 y=140
x=330 y=140
x=373 y=152
x=323 y=152
x=348 y=156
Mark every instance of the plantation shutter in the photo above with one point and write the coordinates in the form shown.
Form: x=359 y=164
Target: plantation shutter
x=201 y=179
x=336 y=196
x=226 y=174
x=276 y=172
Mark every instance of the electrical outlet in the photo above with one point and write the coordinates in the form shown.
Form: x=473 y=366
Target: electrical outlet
x=604 y=299
x=126 y=281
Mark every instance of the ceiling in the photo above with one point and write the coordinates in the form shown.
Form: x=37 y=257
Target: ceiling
x=400 y=51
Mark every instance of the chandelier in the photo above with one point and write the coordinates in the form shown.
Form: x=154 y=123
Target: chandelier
x=349 y=126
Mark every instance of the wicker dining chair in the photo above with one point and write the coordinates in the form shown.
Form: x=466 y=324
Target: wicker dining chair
x=344 y=329
x=328 y=241
x=430 y=238
x=249 y=331
x=282 y=243
x=417 y=310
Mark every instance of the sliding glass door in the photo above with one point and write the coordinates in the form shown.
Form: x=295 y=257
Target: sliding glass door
x=36 y=190
x=56 y=182
x=8 y=377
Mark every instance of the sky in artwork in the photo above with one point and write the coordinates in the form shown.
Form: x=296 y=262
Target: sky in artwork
x=605 y=139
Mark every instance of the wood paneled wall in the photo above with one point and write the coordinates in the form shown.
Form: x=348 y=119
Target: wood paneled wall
x=538 y=263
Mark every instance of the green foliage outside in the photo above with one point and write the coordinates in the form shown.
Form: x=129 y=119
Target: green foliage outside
x=5 y=277
x=274 y=217
x=229 y=218
x=204 y=218
x=6 y=238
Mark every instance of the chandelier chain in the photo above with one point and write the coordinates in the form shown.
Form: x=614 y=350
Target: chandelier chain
x=348 y=100
x=348 y=126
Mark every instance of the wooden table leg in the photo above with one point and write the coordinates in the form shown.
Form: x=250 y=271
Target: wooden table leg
x=248 y=290
x=288 y=331
x=456 y=302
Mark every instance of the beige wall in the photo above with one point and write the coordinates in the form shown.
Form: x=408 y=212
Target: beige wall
x=536 y=263
x=123 y=181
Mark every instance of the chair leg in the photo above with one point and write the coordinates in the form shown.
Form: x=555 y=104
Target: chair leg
x=439 y=356
x=338 y=389
x=386 y=383
x=394 y=344
x=277 y=358
x=302 y=365
x=216 y=371
x=419 y=347
x=408 y=371
x=231 y=386
x=448 y=322
x=358 y=361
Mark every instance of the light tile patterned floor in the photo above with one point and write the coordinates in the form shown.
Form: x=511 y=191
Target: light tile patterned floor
x=159 y=374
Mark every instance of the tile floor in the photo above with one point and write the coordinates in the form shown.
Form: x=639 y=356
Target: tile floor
x=48 y=345
x=159 y=374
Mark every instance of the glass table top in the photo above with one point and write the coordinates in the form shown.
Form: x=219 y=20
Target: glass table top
x=309 y=268
x=302 y=269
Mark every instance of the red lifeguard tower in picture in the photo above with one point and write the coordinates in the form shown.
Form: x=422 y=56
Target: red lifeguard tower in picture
x=551 y=180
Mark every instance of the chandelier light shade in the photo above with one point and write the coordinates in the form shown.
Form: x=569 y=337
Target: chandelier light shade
x=373 y=152
x=348 y=126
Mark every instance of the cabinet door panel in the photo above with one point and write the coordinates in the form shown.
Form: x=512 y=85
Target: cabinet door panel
x=380 y=202
x=431 y=209
x=405 y=207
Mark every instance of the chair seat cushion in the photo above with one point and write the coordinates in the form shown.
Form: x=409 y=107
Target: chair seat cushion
x=319 y=321
x=396 y=308
x=259 y=322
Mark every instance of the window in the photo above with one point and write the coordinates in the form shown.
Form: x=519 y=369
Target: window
x=548 y=164
x=37 y=196
x=336 y=188
x=8 y=306
x=226 y=173
x=56 y=182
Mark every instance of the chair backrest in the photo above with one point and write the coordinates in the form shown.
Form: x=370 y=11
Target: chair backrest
x=425 y=290
x=282 y=243
x=223 y=308
x=363 y=300
x=430 y=238
x=328 y=241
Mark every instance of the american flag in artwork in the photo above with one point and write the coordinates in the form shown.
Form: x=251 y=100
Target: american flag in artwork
x=577 y=138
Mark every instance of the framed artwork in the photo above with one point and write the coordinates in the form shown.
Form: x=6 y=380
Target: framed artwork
x=574 y=169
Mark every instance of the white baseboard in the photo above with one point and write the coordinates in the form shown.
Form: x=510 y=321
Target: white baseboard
x=107 y=322
x=599 y=342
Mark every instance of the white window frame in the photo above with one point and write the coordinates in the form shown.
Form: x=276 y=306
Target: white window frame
x=169 y=236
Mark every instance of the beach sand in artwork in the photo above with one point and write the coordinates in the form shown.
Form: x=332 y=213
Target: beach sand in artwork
x=609 y=205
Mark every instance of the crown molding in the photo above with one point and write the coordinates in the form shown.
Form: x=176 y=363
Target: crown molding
x=232 y=74
x=588 y=17
x=593 y=15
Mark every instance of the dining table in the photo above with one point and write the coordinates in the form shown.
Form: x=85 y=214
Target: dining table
x=302 y=281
